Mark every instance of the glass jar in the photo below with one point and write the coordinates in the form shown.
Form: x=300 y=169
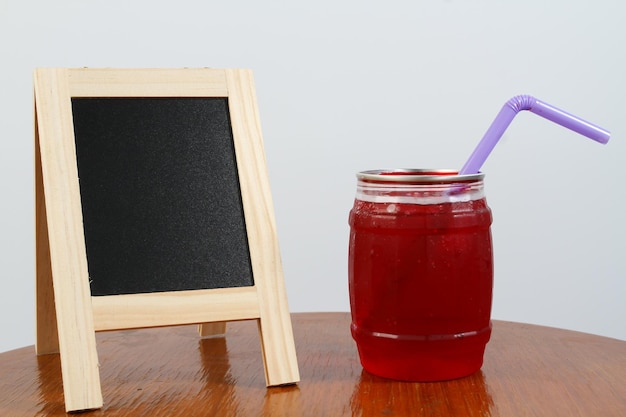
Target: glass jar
x=420 y=273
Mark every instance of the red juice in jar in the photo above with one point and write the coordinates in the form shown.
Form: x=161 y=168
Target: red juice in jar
x=420 y=273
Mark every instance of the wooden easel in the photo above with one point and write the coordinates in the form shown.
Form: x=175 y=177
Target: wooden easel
x=67 y=314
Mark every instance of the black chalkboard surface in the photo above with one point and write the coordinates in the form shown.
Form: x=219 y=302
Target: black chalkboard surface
x=160 y=194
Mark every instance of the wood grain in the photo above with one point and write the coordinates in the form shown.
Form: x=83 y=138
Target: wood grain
x=47 y=337
x=128 y=311
x=274 y=322
x=147 y=82
x=528 y=371
x=68 y=258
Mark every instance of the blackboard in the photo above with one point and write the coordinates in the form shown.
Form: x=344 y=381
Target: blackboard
x=153 y=208
x=160 y=195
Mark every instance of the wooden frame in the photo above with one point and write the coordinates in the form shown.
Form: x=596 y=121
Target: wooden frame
x=67 y=315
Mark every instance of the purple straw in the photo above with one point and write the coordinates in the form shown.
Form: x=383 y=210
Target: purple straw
x=506 y=115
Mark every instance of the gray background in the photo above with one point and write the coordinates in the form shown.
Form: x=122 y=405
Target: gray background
x=345 y=86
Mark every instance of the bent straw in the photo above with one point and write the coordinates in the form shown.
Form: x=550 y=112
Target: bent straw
x=506 y=115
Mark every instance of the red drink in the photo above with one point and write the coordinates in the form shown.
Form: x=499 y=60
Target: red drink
x=420 y=274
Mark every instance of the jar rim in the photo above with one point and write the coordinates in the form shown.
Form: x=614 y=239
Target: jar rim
x=410 y=175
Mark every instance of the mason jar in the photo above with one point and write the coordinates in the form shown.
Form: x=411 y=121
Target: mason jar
x=420 y=273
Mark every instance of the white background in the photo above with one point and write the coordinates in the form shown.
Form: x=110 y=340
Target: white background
x=345 y=86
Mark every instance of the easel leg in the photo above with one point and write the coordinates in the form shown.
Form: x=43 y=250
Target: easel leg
x=278 y=348
x=47 y=338
x=67 y=260
x=277 y=343
x=217 y=329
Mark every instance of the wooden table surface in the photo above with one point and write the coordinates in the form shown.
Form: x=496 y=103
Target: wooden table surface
x=528 y=371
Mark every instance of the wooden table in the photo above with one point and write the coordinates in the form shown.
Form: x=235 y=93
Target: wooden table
x=528 y=371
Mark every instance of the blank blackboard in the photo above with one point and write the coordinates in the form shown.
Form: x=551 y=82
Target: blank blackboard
x=160 y=195
x=153 y=208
